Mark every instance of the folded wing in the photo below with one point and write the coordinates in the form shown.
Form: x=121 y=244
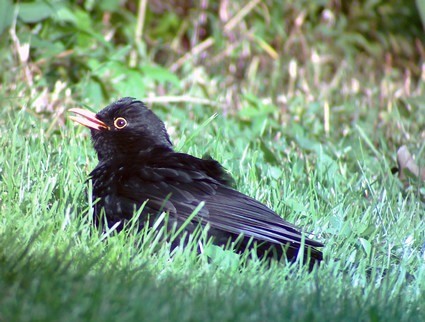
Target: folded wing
x=225 y=209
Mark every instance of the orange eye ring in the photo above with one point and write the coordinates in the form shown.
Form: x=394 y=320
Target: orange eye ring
x=120 y=123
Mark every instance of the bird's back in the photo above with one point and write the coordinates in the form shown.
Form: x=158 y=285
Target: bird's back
x=177 y=183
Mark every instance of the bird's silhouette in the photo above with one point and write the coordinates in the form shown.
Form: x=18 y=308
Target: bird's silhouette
x=138 y=166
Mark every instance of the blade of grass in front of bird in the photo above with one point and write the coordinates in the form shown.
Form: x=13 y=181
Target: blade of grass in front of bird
x=196 y=132
x=187 y=221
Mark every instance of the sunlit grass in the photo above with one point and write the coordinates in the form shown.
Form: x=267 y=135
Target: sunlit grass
x=56 y=266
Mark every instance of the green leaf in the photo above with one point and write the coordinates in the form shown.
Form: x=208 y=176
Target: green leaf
x=127 y=81
x=33 y=12
x=255 y=108
x=420 y=4
x=110 y=5
x=65 y=14
x=6 y=16
x=367 y=246
x=160 y=74
x=222 y=258
x=93 y=91
x=307 y=144
x=269 y=154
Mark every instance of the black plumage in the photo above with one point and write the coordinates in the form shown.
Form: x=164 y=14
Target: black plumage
x=137 y=163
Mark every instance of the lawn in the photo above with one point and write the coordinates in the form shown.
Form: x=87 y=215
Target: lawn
x=312 y=132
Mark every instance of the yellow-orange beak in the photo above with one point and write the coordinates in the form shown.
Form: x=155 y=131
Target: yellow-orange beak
x=88 y=119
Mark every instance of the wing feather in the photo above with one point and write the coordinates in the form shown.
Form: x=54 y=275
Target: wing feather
x=225 y=208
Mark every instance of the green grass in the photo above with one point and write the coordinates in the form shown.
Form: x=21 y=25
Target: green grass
x=56 y=266
x=309 y=119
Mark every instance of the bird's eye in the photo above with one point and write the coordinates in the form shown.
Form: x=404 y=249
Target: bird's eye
x=120 y=123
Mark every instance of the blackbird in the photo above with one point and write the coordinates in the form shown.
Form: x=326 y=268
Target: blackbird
x=139 y=168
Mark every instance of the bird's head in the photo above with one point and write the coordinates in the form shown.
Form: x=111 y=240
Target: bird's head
x=124 y=128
